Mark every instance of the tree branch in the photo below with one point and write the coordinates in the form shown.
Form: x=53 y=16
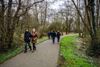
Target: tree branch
x=78 y=11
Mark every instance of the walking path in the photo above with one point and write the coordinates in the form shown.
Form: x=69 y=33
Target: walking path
x=46 y=55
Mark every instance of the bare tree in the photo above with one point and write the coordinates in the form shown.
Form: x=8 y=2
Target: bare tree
x=10 y=13
x=90 y=24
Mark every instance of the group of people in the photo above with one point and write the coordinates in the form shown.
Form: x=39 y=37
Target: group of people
x=30 y=38
x=54 y=35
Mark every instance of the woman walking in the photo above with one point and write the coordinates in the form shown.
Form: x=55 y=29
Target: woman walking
x=58 y=36
x=34 y=39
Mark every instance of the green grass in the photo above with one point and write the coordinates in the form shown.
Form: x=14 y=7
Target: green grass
x=13 y=52
x=72 y=57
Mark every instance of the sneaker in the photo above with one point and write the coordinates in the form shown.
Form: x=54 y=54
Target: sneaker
x=25 y=51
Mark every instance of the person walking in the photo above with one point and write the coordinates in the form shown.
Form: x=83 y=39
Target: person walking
x=53 y=35
x=49 y=34
x=34 y=39
x=27 y=37
x=58 y=36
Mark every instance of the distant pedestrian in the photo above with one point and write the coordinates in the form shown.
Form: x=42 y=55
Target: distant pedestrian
x=49 y=34
x=34 y=38
x=53 y=35
x=58 y=36
x=27 y=37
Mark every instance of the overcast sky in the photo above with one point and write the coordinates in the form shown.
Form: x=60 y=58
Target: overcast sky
x=56 y=4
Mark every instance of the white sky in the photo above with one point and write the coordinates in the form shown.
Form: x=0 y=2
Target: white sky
x=56 y=5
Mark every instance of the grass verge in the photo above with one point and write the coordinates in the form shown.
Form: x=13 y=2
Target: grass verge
x=70 y=56
x=13 y=52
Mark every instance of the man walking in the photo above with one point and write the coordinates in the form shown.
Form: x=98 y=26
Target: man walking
x=53 y=35
x=27 y=36
x=49 y=34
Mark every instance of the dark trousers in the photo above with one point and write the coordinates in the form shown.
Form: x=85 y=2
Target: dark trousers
x=48 y=37
x=27 y=44
x=58 y=39
x=53 y=40
x=34 y=47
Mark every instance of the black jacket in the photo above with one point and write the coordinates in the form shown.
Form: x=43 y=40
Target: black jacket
x=53 y=34
x=27 y=36
x=58 y=34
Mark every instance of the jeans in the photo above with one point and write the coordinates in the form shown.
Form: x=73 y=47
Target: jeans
x=34 y=47
x=27 y=44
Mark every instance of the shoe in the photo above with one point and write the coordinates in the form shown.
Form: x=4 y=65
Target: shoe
x=34 y=48
x=25 y=51
x=32 y=51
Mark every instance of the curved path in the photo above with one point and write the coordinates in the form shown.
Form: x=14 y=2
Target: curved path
x=46 y=55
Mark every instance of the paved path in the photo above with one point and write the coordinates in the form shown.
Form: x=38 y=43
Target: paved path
x=46 y=55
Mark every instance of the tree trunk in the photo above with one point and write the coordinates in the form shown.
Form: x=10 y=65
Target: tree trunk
x=2 y=26
x=95 y=45
x=9 y=22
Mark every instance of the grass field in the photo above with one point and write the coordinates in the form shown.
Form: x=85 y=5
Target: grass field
x=69 y=51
